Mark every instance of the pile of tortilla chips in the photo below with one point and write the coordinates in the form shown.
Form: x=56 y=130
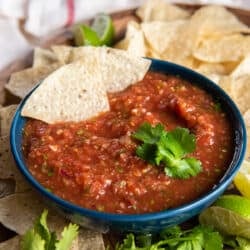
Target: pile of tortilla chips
x=211 y=41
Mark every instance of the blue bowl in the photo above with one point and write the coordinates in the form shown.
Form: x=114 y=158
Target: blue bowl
x=151 y=222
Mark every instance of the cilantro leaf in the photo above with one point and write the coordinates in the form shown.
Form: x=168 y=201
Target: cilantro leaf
x=168 y=148
x=42 y=229
x=174 y=238
x=180 y=142
x=128 y=243
x=32 y=241
x=244 y=244
x=147 y=152
x=148 y=134
x=68 y=235
x=40 y=237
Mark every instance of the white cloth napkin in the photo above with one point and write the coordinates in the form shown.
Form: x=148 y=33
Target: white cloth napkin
x=45 y=17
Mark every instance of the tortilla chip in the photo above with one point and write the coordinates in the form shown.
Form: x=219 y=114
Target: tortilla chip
x=62 y=52
x=248 y=144
x=243 y=68
x=134 y=41
x=225 y=83
x=118 y=68
x=8 y=169
x=43 y=57
x=123 y=44
x=22 y=82
x=6 y=115
x=74 y=92
x=19 y=211
x=216 y=78
x=212 y=20
x=216 y=68
x=7 y=187
x=160 y=34
x=11 y=244
x=159 y=10
x=222 y=49
x=241 y=92
x=88 y=240
x=246 y=117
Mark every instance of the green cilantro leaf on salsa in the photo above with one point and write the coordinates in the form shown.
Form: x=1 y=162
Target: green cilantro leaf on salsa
x=168 y=148
x=40 y=237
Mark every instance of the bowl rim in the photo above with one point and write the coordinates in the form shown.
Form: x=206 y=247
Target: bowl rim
x=204 y=200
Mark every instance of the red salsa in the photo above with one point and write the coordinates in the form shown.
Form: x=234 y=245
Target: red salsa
x=93 y=163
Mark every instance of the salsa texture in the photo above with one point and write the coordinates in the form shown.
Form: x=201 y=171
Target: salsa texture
x=93 y=163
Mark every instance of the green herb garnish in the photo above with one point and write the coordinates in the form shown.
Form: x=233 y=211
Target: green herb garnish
x=168 y=148
x=40 y=237
x=198 y=238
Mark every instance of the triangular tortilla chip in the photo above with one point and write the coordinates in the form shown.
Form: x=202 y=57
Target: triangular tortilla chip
x=8 y=169
x=77 y=91
x=161 y=34
x=159 y=10
x=43 y=57
x=6 y=115
x=118 y=68
x=19 y=211
x=22 y=82
x=72 y=93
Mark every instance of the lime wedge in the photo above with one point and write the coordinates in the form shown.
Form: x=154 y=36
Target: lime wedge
x=104 y=28
x=242 y=179
x=230 y=215
x=236 y=203
x=100 y=33
x=84 y=35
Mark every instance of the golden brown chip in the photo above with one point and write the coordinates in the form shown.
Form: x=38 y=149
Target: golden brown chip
x=22 y=82
x=6 y=115
x=159 y=10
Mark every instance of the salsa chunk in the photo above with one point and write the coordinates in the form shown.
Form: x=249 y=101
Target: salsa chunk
x=93 y=163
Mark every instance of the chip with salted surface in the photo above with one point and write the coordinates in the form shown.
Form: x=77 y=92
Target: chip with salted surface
x=74 y=92
x=77 y=91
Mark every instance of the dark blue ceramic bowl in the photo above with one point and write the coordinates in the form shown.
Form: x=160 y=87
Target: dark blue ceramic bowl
x=150 y=222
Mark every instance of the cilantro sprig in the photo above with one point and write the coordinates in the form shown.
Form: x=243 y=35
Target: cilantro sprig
x=40 y=237
x=198 y=238
x=168 y=148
